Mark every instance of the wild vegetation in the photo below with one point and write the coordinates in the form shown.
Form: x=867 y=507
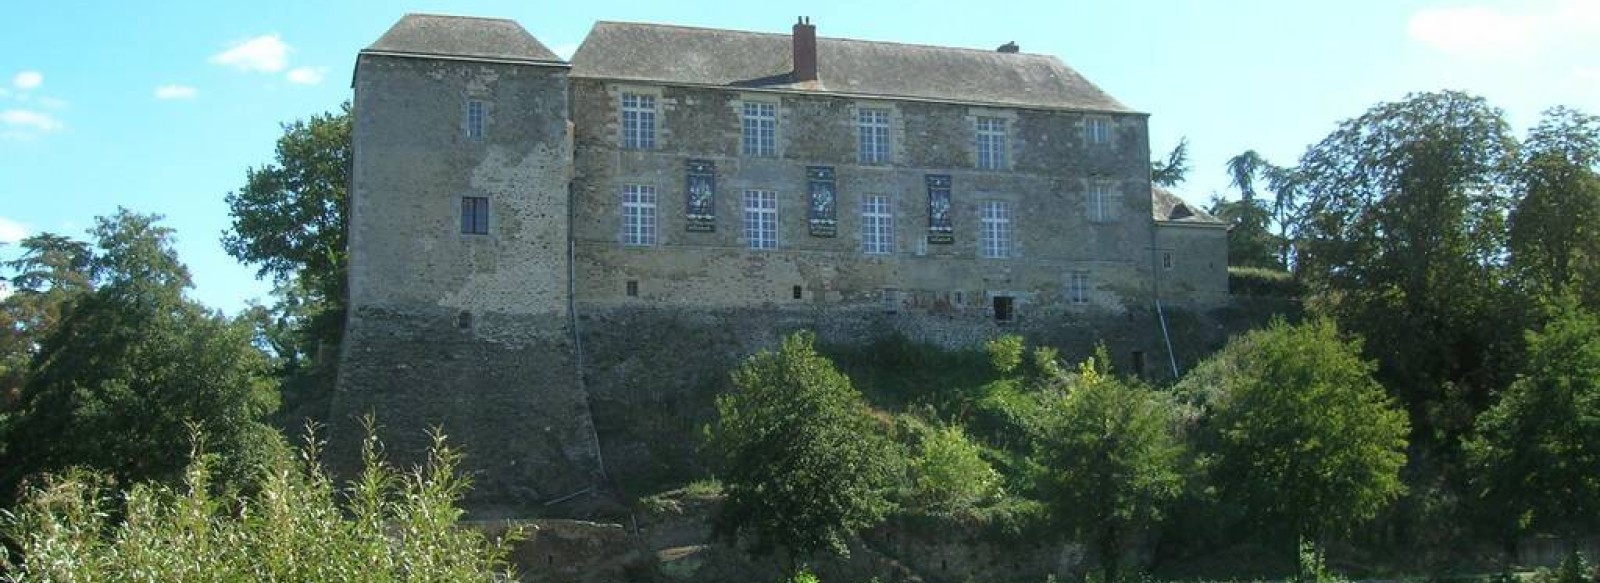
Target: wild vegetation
x=1441 y=394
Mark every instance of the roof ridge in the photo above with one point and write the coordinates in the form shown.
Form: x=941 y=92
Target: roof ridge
x=820 y=38
x=461 y=17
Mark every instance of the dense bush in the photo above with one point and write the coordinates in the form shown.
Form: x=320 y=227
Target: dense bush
x=1257 y=281
x=947 y=470
x=391 y=526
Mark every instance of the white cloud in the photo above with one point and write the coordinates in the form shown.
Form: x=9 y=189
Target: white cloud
x=25 y=119
x=307 y=75
x=266 y=53
x=1489 y=33
x=170 y=92
x=12 y=231
x=28 y=80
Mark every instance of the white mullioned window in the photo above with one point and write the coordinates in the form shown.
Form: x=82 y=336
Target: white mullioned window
x=760 y=123
x=1098 y=129
x=761 y=219
x=638 y=215
x=475 y=119
x=1078 y=287
x=638 y=121
x=996 y=236
x=872 y=126
x=991 y=143
x=1100 y=201
x=877 y=225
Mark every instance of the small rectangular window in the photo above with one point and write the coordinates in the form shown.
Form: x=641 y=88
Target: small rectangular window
x=891 y=301
x=475 y=119
x=991 y=143
x=1078 y=287
x=1098 y=130
x=761 y=219
x=633 y=288
x=638 y=215
x=1101 y=208
x=1166 y=260
x=799 y=292
x=760 y=127
x=877 y=225
x=474 y=215
x=996 y=235
x=872 y=127
x=1004 y=308
x=638 y=121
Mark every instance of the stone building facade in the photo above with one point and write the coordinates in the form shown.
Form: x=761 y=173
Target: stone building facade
x=542 y=251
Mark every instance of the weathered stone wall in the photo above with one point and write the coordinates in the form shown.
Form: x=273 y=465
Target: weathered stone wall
x=1198 y=272
x=468 y=332
x=1047 y=184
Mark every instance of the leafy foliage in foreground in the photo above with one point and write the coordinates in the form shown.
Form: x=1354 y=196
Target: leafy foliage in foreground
x=394 y=526
x=802 y=464
x=1297 y=432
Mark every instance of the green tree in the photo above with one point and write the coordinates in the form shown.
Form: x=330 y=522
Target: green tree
x=51 y=271
x=1250 y=242
x=289 y=220
x=802 y=463
x=1534 y=454
x=1402 y=235
x=117 y=382
x=1555 y=227
x=1110 y=458
x=1296 y=432
x=386 y=526
x=948 y=473
x=1174 y=169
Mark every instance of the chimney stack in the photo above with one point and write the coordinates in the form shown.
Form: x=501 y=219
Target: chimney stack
x=805 y=50
x=1009 y=48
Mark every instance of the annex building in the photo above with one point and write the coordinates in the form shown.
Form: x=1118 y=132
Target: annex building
x=559 y=261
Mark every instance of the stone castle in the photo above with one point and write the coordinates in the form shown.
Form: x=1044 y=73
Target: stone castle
x=558 y=262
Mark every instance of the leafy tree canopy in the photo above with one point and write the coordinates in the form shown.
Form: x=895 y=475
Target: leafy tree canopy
x=1296 y=432
x=1174 y=169
x=1555 y=228
x=1534 y=454
x=802 y=463
x=116 y=383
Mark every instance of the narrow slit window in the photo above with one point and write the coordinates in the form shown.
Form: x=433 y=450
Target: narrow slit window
x=475 y=119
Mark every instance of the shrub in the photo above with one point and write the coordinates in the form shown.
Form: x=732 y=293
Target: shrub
x=948 y=472
x=393 y=526
x=1256 y=281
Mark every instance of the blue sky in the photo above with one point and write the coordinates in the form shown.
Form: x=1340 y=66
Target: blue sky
x=161 y=106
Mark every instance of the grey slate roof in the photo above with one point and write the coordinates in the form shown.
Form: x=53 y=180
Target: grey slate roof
x=703 y=56
x=1166 y=207
x=435 y=35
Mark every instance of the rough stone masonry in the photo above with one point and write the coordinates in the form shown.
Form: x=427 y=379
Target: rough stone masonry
x=558 y=262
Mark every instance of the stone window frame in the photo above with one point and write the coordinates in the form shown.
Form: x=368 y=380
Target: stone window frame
x=745 y=119
x=997 y=140
x=477 y=118
x=885 y=245
x=997 y=233
x=1099 y=130
x=759 y=221
x=646 y=137
x=1100 y=201
x=475 y=216
x=883 y=154
x=1079 y=287
x=646 y=231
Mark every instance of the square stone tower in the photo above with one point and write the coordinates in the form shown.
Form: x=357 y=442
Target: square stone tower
x=459 y=254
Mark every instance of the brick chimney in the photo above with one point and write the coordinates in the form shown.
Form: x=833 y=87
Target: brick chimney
x=805 y=50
